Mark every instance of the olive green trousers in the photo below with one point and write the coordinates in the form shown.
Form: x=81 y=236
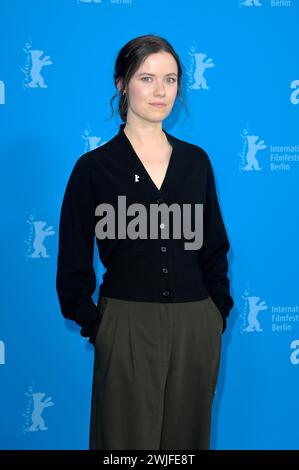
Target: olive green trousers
x=155 y=373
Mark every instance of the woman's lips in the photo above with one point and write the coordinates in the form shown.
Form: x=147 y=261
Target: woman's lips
x=158 y=105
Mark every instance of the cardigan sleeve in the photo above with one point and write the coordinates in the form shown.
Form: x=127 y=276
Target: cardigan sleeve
x=75 y=278
x=213 y=253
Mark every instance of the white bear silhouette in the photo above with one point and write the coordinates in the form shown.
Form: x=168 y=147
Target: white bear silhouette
x=254 y=309
x=91 y=140
x=2 y=92
x=200 y=67
x=40 y=235
x=251 y=3
x=38 y=406
x=37 y=64
x=253 y=147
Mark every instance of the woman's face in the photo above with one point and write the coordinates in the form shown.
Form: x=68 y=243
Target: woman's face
x=156 y=81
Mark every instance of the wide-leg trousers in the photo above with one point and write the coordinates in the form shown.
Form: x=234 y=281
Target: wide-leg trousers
x=155 y=373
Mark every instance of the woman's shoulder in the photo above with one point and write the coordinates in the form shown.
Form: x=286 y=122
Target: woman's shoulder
x=94 y=156
x=190 y=150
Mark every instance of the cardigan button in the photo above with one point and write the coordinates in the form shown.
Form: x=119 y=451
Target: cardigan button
x=163 y=248
x=160 y=199
x=165 y=270
x=166 y=292
x=162 y=225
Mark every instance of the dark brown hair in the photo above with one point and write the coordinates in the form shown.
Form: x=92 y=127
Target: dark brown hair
x=129 y=59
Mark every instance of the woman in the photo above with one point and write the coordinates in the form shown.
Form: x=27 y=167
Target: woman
x=163 y=302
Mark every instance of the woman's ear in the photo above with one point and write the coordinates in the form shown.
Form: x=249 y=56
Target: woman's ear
x=119 y=84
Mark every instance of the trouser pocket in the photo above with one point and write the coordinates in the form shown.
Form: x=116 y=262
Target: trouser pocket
x=102 y=307
x=217 y=314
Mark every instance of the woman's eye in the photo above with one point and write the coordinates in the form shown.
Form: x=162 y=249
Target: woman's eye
x=170 y=78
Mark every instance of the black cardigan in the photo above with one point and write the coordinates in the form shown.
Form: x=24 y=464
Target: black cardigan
x=142 y=269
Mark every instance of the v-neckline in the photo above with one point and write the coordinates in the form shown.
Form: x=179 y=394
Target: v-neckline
x=141 y=165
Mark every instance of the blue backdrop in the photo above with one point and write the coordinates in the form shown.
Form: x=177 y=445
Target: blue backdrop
x=241 y=86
